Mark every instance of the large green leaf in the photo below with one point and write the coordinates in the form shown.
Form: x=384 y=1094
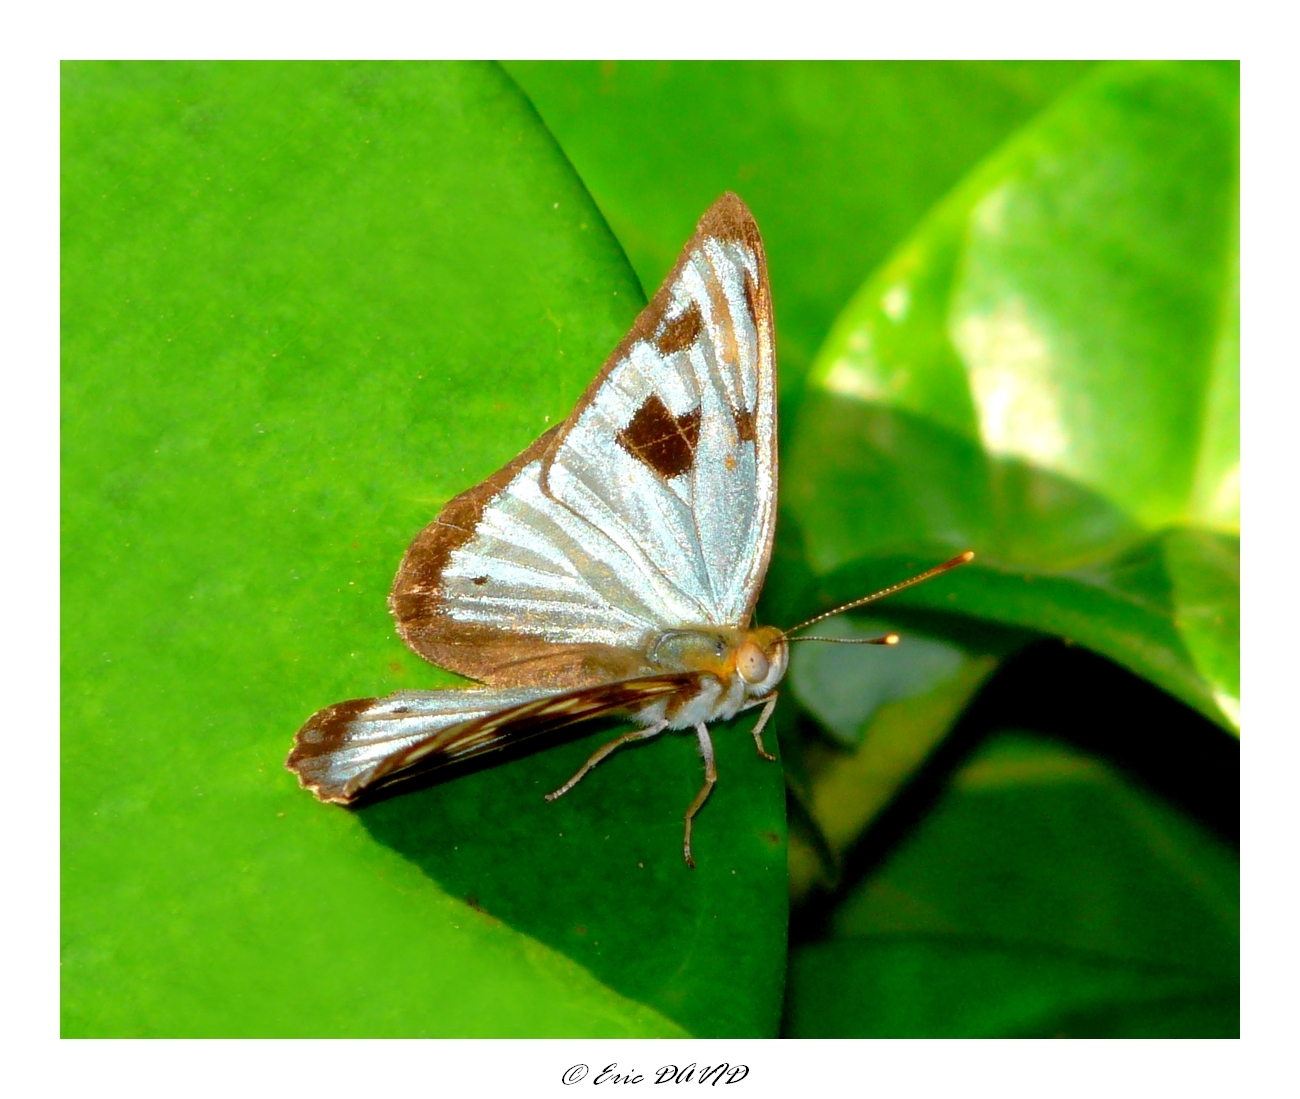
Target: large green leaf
x=837 y=160
x=302 y=306
x=1047 y=895
x=1047 y=373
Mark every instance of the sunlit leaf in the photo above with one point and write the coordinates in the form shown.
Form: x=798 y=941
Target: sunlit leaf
x=1046 y=373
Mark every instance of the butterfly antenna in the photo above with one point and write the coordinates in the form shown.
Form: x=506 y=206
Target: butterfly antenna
x=889 y=638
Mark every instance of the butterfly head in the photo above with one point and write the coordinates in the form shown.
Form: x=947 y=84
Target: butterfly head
x=761 y=659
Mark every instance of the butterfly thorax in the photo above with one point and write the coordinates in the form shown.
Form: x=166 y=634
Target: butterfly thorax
x=739 y=665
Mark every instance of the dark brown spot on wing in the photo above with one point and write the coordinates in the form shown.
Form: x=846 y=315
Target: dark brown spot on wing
x=745 y=431
x=751 y=296
x=727 y=220
x=680 y=332
x=479 y=581
x=664 y=442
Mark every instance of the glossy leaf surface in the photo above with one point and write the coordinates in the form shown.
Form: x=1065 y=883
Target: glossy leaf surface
x=303 y=305
x=1046 y=373
x=837 y=160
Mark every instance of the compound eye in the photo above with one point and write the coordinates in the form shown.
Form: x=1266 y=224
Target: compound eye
x=752 y=663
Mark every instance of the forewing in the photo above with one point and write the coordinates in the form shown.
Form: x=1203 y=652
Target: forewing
x=651 y=507
x=351 y=747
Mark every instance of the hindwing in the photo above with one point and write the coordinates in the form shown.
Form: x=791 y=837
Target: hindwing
x=353 y=747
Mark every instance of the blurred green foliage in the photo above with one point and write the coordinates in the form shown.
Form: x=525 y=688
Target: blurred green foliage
x=303 y=305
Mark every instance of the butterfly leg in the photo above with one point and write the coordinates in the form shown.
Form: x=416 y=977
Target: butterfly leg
x=597 y=756
x=768 y=704
x=710 y=777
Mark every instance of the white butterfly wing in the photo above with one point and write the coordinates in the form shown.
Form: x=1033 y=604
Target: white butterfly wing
x=664 y=460
x=351 y=748
x=339 y=750
x=651 y=507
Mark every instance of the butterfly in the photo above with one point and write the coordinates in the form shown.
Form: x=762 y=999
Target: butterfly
x=612 y=568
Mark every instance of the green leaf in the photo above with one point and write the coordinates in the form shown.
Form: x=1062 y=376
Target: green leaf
x=1046 y=373
x=926 y=987
x=303 y=305
x=886 y=710
x=1045 y=895
x=837 y=160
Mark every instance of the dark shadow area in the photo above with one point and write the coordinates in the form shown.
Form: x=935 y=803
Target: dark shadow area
x=414 y=780
x=1085 y=702
x=972 y=987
